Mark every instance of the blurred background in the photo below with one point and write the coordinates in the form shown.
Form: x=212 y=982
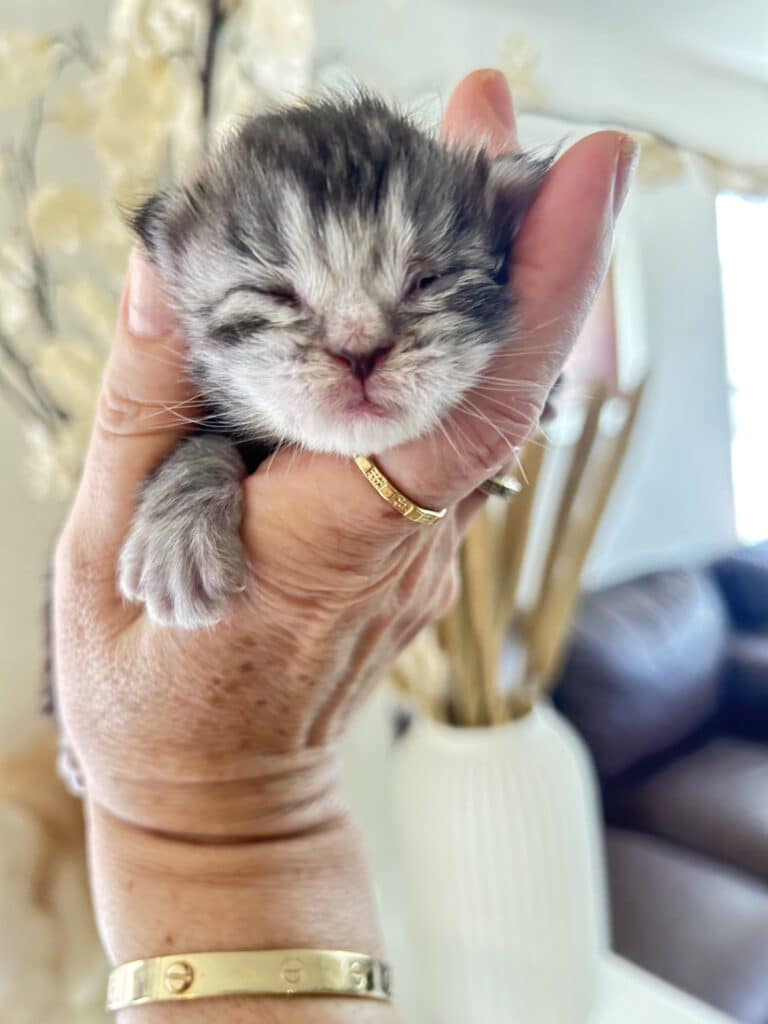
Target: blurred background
x=663 y=665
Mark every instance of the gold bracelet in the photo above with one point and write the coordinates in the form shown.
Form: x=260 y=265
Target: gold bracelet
x=273 y=972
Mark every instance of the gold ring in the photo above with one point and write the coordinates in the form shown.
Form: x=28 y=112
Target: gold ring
x=506 y=487
x=387 y=490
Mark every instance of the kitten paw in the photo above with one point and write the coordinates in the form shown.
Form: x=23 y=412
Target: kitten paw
x=183 y=558
x=183 y=574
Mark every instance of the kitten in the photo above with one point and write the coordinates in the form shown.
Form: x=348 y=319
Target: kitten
x=342 y=279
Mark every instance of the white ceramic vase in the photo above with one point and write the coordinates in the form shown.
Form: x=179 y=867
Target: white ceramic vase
x=503 y=867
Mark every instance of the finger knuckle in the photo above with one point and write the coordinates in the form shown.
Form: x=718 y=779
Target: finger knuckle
x=118 y=413
x=489 y=451
x=410 y=585
x=390 y=526
x=75 y=561
x=522 y=420
x=416 y=578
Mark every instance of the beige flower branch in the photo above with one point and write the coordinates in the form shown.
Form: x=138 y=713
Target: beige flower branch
x=142 y=107
x=217 y=15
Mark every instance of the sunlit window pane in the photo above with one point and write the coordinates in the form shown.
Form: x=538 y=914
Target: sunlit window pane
x=742 y=226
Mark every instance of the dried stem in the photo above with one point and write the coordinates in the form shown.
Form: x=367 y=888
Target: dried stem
x=45 y=407
x=549 y=627
x=453 y=633
x=480 y=580
x=19 y=399
x=22 y=180
x=216 y=20
x=516 y=530
x=78 y=48
x=573 y=480
x=25 y=184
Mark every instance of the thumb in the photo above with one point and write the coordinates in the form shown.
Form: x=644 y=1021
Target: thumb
x=144 y=406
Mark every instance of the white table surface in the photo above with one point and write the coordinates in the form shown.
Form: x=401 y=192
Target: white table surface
x=631 y=996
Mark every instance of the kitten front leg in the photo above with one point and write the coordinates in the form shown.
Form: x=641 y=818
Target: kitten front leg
x=183 y=557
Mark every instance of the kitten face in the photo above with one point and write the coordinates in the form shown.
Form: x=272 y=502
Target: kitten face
x=340 y=275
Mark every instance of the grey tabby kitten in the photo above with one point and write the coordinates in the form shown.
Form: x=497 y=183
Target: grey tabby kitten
x=342 y=279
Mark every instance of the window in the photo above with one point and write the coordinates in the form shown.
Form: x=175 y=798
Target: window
x=742 y=227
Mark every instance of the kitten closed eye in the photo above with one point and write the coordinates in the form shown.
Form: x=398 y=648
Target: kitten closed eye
x=247 y=310
x=429 y=284
x=281 y=293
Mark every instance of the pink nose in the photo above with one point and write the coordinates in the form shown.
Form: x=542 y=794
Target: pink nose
x=361 y=364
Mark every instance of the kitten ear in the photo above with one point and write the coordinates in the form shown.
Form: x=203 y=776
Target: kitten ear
x=148 y=221
x=514 y=181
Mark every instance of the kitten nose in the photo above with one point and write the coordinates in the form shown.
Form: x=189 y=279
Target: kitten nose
x=362 y=364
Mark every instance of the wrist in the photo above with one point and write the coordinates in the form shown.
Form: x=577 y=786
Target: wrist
x=222 y=798
x=157 y=894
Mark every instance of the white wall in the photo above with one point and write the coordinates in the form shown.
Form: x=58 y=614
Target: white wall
x=695 y=70
x=673 y=504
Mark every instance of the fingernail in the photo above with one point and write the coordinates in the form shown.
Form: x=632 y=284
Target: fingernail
x=626 y=165
x=148 y=312
x=495 y=90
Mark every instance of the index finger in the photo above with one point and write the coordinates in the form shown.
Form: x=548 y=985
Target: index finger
x=481 y=111
x=560 y=258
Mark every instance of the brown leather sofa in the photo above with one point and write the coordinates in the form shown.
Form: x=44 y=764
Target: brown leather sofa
x=666 y=679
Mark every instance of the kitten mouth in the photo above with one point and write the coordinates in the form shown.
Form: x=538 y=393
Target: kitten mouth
x=362 y=406
x=365 y=400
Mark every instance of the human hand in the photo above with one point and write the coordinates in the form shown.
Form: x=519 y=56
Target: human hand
x=222 y=743
x=340 y=582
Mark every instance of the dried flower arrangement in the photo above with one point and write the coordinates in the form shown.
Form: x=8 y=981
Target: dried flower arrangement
x=143 y=106
x=499 y=649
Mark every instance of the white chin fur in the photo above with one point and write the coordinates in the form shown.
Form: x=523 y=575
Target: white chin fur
x=323 y=430
x=354 y=437
x=301 y=413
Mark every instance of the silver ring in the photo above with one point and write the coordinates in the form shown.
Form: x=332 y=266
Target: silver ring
x=506 y=487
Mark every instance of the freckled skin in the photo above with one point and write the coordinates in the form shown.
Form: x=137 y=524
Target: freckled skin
x=341 y=278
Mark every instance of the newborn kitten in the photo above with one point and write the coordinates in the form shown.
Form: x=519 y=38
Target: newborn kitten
x=342 y=279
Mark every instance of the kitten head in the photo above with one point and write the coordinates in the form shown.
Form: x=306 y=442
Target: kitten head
x=341 y=276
